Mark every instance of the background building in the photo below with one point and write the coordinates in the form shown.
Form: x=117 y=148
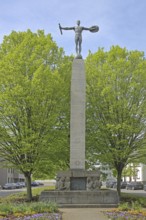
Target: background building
x=10 y=175
x=136 y=172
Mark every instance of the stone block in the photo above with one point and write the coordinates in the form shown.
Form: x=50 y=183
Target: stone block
x=100 y=198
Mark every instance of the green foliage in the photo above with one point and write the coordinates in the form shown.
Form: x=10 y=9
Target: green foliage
x=127 y=207
x=27 y=209
x=136 y=206
x=34 y=100
x=130 y=198
x=116 y=103
x=15 y=205
x=124 y=206
x=5 y=209
x=130 y=208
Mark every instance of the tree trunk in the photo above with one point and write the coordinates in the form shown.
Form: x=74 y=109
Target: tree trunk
x=28 y=185
x=119 y=177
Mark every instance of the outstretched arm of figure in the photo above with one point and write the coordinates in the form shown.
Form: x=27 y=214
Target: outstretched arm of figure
x=87 y=29
x=92 y=29
x=65 y=28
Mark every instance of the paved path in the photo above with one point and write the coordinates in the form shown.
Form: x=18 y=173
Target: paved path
x=83 y=214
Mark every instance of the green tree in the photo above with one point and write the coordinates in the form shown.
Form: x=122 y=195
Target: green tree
x=116 y=103
x=34 y=107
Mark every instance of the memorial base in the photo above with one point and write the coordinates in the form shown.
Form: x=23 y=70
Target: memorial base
x=80 y=188
x=100 y=198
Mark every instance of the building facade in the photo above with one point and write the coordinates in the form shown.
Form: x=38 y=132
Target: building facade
x=10 y=175
x=138 y=173
x=134 y=172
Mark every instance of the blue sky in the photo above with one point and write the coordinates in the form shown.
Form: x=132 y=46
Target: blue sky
x=121 y=22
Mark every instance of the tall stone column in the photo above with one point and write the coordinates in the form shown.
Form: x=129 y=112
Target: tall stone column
x=78 y=187
x=77 y=117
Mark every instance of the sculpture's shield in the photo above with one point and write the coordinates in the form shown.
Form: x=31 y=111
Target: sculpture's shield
x=94 y=29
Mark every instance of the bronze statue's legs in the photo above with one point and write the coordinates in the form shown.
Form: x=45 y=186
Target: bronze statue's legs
x=80 y=48
x=80 y=43
x=76 y=48
x=76 y=41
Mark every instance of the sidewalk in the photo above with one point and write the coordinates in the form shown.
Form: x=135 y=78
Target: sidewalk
x=83 y=214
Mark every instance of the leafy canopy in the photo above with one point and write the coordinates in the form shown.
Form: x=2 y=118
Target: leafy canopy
x=34 y=88
x=116 y=103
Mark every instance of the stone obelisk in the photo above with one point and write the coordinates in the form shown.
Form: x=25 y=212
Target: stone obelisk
x=77 y=116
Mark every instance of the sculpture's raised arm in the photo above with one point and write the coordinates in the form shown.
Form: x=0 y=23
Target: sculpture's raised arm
x=65 y=28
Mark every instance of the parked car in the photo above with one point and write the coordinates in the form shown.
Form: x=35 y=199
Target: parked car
x=41 y=183
x=18 y=185
x=9 y=186
x=123 y=185
x=34 y=184
x=110 y=184
x=22 y=184
x=134 y=185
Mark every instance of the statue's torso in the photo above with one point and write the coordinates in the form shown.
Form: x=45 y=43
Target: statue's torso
x=78 y=30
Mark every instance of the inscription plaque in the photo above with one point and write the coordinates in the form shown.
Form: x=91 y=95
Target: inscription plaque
x=78 y=183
